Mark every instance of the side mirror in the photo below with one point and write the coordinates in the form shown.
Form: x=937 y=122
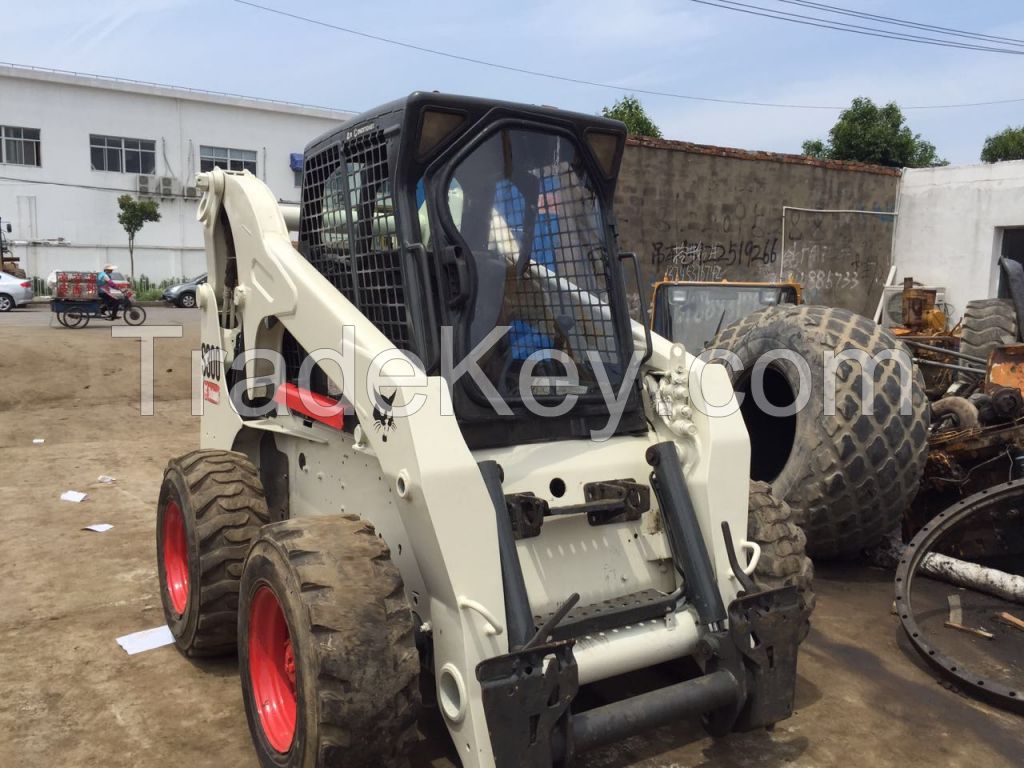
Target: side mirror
x=8 y=227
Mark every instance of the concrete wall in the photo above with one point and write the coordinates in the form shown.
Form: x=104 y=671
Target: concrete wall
x=713 y=213
x=951 y=226
x=64 y=212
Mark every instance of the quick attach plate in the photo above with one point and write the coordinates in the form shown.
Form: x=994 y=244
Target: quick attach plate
x=765 y=628
x=527 y=705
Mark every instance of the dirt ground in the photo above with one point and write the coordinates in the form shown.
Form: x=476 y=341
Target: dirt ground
x=72 y=697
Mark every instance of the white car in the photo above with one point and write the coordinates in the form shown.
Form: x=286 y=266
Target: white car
x=14 y=292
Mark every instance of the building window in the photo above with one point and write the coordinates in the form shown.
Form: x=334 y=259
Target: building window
x=121 y=155
x=227 y=159
x=19 y=146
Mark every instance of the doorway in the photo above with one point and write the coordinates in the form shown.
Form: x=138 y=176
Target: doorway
x=1012 y=248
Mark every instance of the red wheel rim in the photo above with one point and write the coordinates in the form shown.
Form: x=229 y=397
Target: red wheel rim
x=272 y=669
x=175 y=556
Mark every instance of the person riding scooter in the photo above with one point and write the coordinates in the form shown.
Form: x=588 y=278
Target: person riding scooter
x=108 y=294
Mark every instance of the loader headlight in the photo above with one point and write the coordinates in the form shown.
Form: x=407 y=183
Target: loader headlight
x=435 y=126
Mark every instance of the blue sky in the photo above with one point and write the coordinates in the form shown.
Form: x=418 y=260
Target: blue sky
x=668 y=45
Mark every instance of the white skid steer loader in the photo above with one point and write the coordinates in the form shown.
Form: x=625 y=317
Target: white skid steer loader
x=441 y=466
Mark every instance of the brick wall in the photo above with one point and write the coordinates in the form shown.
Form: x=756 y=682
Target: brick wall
x=715 y=213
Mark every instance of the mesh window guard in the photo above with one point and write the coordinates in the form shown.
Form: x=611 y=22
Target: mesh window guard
x=525 y=205
x=348 y=231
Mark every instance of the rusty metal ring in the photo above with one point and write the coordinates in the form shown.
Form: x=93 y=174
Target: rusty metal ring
x=993 y=692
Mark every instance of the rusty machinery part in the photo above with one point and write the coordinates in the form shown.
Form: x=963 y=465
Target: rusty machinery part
x=918 y=305
x=1005 y=368
x=1007 y=403
x=954 y=412
x=973 y=445
x=991 y=691
x=932 y=345
x=1000 y=406
x=934 y=354
x=986 y=413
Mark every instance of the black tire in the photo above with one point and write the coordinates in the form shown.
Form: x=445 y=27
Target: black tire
x=987 y=324
x=6 y=303
x=134 y=315
x=61 y=319
x=187 y=300
x=356 y=666
x=221 y=504
x=961 y=412
x=76 y=318
x=850 y=476
x=784 y=561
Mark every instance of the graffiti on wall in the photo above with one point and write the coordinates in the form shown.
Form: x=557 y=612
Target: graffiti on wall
x=699 y=260
x=834 y=255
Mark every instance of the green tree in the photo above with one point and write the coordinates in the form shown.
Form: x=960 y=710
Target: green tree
x=133 y=217
x=629 y=110
x=1008 y=144
x=868 y=133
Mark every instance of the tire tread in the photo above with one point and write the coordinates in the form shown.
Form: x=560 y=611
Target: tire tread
x=863 y=470
x=227 y=498
x=367 y=665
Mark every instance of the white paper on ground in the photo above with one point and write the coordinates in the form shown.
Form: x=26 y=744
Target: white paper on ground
x=146 y=640
x=75 y=496
x=38 y=440
x=98 y=527
x=104 y=479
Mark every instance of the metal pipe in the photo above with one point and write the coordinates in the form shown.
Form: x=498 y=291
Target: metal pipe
x=618 y=651
x=290 y=211
x=686 y=540
x=614 y=722
x=950 y=352
x=518 y=615
x=951 y=366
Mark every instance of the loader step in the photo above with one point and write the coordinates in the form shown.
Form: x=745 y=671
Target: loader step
x=612 y=614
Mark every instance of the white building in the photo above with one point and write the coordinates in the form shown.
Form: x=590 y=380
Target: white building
x=71 y=144
x=955 y=222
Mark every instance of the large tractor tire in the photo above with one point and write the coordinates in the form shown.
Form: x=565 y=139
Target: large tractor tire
x=849 y=476
x=328 y=660
x=210 y=510
x=987 y=324
x=783 y=561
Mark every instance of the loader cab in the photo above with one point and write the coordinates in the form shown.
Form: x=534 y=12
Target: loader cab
x=476 y=230
x=692 y=312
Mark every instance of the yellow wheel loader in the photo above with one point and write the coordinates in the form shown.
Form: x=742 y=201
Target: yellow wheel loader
x=439 y=464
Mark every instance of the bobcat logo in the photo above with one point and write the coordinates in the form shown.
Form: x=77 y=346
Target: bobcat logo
x=383 y=421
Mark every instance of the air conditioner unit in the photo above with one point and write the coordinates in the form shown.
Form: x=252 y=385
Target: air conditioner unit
x=166 y=186
x=892 y=302
x=191 y=192
x=147 y=185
